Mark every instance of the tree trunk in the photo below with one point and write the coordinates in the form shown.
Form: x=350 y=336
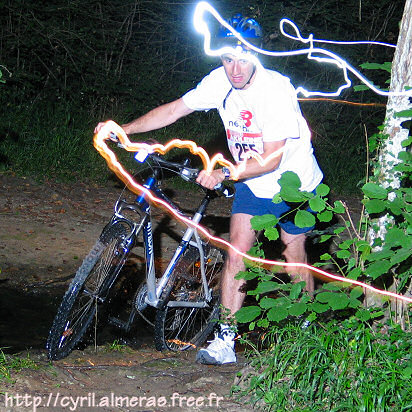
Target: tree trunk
x=400 y=78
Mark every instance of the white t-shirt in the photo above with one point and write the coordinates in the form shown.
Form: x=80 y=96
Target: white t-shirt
x=267 y=111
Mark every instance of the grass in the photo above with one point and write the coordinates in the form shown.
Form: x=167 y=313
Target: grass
x=333 y=367
x=116 y=346
x=14 y=363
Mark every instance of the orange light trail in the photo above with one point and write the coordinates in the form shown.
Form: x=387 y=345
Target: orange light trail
x=324 y=99
x=117 y=168
x=208 y=164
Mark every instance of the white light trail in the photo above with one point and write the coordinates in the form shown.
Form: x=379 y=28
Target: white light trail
x=313 y=53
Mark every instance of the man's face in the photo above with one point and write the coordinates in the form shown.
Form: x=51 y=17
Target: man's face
x=239 y=70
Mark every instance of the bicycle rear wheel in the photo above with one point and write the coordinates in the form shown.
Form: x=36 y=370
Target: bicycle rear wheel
x=87 y=291
x=180 y=328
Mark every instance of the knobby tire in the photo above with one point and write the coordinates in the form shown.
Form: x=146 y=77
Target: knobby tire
x=86 y=292
x=181 y=328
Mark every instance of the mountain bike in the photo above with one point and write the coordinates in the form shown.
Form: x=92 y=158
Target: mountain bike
x=185 y=297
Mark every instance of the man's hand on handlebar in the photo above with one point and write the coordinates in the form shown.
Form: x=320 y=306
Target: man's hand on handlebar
x=210 y=181
x=98 y=127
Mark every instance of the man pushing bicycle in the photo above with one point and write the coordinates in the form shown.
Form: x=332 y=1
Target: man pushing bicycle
x=260 y=112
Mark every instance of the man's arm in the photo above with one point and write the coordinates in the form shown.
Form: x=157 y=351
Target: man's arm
x=155 y=119
x=272 y=151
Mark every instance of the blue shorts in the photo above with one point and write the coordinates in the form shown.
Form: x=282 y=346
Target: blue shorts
x=246 y=202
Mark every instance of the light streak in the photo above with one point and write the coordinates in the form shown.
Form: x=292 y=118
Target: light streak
x=181 y=343
x=208 y=164
x=313 y=53
x=117 y=168
x=324 y=99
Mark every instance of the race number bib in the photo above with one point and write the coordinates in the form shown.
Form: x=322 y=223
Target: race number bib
x=240 y=143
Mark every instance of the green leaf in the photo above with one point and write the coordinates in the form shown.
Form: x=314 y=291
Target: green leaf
x=374 y=191
x=362 y=245
x=267 y=303
x=277 y=314
x=317 y=204
x=247 y=275
x=356 y=292
x=324 y=297
x=404 y=113
x=295 y=290
x=375 y=205
x=363 y=315
x=405 y=156
x=304 y=218
x=292 y=194
x=332 y=286
x=382 y=254
x=271 y=233
x=247 y=314
x=346 y=244
x=263 y=323
x=339 y=208
x=339 y=302
x=267 y=286
x=264 y=221
x=277 y=198
x=290 y=179
x=343 y=254
x=360 y=87
x=322 y=190
x=378 y=268
x=297 y=309
x=407 y=372
x=387 y=66
x=400 y=255
x=336 y=301
x=354 y=273
x=325 y=256
x=407 y=142
x=397 y=237
x=324 y=238
x=325 y=216
x=354 y=303
x=396 y=205
x=319 y=307
x=339 y=230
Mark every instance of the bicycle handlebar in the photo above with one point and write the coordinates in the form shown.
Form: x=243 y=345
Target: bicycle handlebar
x=185 y=172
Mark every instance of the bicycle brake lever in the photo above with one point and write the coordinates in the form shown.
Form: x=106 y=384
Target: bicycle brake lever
x=226 y=191
x=114 y=138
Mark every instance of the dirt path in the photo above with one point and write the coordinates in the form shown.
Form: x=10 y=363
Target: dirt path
x=46 y=230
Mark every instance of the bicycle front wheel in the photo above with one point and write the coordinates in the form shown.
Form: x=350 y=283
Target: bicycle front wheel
x=87 y=291
x=179 y=328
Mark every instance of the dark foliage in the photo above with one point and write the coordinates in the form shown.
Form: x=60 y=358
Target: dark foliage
x=74 y=62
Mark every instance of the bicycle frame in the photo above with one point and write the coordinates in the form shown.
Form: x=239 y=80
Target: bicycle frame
x=143 y=208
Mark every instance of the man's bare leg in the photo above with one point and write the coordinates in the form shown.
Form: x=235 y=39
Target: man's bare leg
x=222 y=349
x=295 y=253
x=242 y=237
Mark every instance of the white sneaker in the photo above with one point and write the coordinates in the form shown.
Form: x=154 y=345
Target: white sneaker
x=220 y=350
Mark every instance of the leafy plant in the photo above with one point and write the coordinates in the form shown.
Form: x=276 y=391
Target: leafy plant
x=341 y=366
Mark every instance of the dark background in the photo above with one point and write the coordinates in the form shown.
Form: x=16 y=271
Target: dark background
x=74 y=63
